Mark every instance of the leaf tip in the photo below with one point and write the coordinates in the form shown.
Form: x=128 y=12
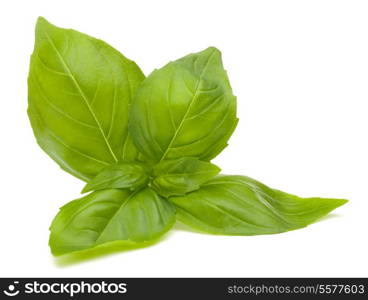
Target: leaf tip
x=327 y=205
x=42 y=26
x=85 y=189
x=216 y=169
x=212 y=49
x=42 y=21
x=340 y=202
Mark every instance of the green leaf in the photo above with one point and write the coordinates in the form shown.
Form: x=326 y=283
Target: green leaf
x=119 y=176
x=183 y=175
x=109 y=216
x=184 y=109
x=79 y=91
x=239 y=205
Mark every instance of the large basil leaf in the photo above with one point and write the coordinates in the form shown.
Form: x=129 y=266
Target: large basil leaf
x=79 y=90
x=185 y=108
x=239 y=205
x=182 y=175
x=110 y=215
x=119 y=176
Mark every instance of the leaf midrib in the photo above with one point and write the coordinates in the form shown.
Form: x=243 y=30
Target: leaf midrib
x=84 y=97
x=188 y=109
x=121 y=207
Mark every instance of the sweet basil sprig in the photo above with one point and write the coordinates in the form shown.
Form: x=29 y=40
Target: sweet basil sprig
x=144 y=146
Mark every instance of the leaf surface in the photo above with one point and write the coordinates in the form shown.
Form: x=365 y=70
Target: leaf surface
x=79 y=90
x=183 y=175
x=109 y=216
x=239 y=205
x=185 y=109
x=119 y=176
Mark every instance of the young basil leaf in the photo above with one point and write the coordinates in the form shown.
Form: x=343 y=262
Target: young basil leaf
x=110 y=215
x=239 y=205
x=79 y=90
x=180 y=176
x=119 y=176
x=185 y=108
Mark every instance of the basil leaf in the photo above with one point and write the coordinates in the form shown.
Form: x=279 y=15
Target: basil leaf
x=109 y=216
x=185 y=108
x=239 y=205
x=79 y=90
x=183 y=175
x=119 y=176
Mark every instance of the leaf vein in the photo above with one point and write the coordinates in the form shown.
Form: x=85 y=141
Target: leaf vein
x=188 y=109
x=83 y=96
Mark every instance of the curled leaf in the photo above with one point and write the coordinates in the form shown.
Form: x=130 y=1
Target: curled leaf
x=185 y=109
x=110 y=216
x=119 y=176
x=181 y=176
x=239 y=205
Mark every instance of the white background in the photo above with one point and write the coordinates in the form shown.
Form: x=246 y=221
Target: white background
x=300 y=71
